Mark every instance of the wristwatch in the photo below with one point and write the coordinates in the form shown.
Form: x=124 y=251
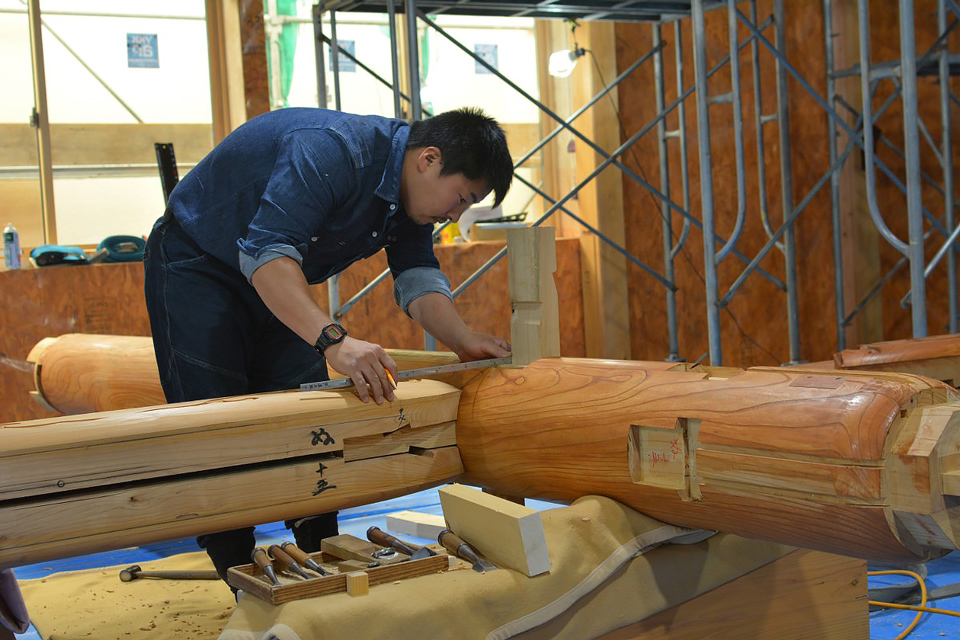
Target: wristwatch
x=332 y=334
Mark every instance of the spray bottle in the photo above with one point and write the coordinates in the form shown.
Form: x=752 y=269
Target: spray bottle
x=11 y=247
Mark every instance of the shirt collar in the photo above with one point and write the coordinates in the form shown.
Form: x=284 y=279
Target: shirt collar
x=389 y=187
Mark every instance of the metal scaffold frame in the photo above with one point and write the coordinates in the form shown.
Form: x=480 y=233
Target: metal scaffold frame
x=922 y=224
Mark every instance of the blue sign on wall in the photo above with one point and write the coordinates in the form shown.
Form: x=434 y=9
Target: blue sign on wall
x=142 y=50
x=488 y=53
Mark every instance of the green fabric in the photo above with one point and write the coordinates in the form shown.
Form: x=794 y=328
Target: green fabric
x=287 y=46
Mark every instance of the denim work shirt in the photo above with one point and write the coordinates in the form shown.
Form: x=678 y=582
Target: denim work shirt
x=320 y=187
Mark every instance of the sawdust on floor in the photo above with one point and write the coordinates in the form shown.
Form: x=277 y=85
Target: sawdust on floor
x=79 y=605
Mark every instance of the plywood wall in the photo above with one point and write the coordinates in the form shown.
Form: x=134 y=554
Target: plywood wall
x=755 y=329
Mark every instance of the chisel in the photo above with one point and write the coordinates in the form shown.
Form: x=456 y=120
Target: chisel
x=381 y=537
x=284 y=559
x=297 y=554
x=462 y=550
x=259 y=557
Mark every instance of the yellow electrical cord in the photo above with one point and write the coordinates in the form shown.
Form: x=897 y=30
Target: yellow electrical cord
x=923 y=599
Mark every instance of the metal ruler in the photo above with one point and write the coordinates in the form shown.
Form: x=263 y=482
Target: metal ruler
x=342 y=383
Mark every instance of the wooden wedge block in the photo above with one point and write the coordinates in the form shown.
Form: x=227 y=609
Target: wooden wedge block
x=505 y=533
x=351 y=547
x=358 y=583
x=414 y=523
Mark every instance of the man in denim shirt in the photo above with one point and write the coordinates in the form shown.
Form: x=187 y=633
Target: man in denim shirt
x=287 y=200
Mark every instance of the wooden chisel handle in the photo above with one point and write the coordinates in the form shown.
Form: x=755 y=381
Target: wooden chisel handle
x=284 y=558
x=298 y=554
x=381 y=537
x=452 y=543
x=259 y=557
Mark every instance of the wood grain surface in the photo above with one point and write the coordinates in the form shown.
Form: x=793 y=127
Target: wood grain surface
x=54 y=455
x=827 y=461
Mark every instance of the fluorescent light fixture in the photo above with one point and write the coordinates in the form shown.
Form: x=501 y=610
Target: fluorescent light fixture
x=562 y=62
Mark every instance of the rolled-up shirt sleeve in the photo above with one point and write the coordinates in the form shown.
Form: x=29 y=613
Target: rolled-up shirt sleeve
x=311 y=171
x=413 y=283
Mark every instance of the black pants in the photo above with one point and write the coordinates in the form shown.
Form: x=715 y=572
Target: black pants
x=214 y=338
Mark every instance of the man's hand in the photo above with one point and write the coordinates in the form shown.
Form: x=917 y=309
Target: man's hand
x=366 y=364
x=479 y=346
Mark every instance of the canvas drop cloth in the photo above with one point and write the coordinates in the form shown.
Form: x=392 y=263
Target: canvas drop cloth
x=611 y=566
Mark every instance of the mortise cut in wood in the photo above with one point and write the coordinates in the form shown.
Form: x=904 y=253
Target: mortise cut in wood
x=666 y=458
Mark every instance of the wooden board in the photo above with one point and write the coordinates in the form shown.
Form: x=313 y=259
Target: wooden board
x=87 y=521
x=53 y=455
x=805 y=595
x=505 y=533
x=413 y=523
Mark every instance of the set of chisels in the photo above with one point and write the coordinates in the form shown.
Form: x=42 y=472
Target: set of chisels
x=284 y=572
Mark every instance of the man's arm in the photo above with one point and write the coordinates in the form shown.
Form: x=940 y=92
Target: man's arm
x=283 y=288
x=435 y=313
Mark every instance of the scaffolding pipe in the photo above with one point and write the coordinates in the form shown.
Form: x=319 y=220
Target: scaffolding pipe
x=911 y=140
x=390 y=85
x=786 y=187
x=946 y=132
x=335 y=59
x=706 y=181
x=787 y=223
x=737 y=131
x=318 y=40
x=90 y=70
x=413 y=60
x=612 y=158
x=576 y=114
x=863 y=15
x=688 y=219
x=665 y=213
x=839 y=299
x=759 y=120
x=682 y=137
x=394 y=63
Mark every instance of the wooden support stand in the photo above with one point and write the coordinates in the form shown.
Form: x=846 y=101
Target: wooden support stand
x=806 y=594
x=535 y=323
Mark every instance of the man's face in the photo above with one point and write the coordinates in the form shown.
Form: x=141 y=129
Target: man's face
x=432 y=198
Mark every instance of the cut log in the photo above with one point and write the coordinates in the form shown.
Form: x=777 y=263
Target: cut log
x=81 y=373
x=936 y=357
x=53 y=455
x=108 y=480
x=845 y=462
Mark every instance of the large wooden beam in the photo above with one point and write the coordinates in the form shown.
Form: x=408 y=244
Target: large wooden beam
x=107 y=480
x=845 y=462
x=84 y=372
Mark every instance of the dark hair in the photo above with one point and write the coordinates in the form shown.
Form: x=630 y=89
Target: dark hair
x=472 y=143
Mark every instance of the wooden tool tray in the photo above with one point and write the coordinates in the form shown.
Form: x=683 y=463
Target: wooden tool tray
x=250 y=578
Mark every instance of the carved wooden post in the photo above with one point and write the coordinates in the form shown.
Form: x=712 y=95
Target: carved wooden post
x=535 y=324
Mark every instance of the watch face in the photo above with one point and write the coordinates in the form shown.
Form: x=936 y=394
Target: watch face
x=334 y=332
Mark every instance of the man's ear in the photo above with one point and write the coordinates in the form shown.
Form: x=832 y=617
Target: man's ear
x=427 y=157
